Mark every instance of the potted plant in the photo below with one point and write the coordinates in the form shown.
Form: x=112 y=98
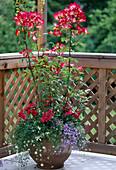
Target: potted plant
x=50 y=127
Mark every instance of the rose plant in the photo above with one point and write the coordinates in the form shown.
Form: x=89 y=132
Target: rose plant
x=52 y=115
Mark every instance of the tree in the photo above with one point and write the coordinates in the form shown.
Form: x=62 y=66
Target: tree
x=8 y=41
x=102 y=29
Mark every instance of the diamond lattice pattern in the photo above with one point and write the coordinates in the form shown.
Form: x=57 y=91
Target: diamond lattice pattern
x=18 y=94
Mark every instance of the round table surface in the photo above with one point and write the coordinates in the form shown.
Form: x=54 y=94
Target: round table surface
x=77 y=161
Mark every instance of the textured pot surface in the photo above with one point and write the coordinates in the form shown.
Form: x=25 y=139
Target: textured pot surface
x=48 y=159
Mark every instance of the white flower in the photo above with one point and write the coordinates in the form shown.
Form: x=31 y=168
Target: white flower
x=47 y=133
x=39 y=128
x=42 y=164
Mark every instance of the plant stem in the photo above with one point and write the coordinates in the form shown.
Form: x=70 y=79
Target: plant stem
x=70 y=45
x=30 y=67
x=70 y=49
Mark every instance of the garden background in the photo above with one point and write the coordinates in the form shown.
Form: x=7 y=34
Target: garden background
x=101 y=23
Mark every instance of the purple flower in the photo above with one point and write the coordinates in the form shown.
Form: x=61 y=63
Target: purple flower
x=1 y=164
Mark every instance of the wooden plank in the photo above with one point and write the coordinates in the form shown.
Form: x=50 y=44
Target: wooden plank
x=1 y=108
x=40 y=10
x=112 y=107
x=9 y=61
x=112 y=93
x=102 y=106
x=91 y=63
x=102 y=148
x=45 y=24
x=74 y=54
x=97 y=63
x=92 y=55
x=5 y=151
x=112 y=133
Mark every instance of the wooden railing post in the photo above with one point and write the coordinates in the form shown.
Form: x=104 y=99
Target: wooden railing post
x=102 y=106
x=1 y=108
x=42 y=42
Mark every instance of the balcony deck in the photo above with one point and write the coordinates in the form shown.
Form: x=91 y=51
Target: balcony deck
x=77 y=161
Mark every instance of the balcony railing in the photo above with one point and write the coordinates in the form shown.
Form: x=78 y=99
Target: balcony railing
x=99 y=76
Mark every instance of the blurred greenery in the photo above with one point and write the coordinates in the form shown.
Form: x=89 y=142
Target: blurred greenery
x=7 y=29
x=103 y=30
x=101 y=23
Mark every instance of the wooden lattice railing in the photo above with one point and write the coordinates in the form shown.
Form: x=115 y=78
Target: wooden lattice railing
x=99 y=76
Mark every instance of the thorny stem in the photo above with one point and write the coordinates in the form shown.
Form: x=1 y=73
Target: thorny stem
x=70 y=49
x=70 y=44
x=38 y=51
x=30 y=67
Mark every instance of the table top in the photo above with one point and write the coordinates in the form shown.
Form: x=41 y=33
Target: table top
x=77 y=161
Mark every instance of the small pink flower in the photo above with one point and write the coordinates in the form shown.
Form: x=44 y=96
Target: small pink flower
x=74 y=34
x=49 y=58
x=47 y=101
x=49 y=97
x=51 y=114
x=42 y=120
x=33 y=57
x=79 y=31
x=50 y=110
x=87 y=127
x=34 y=38
x=56 y=72
x=51 y=33
x=47 y=54
x=28 y=112
x=63 y=64
x=72 y=65
x=79 y=68
x=17 y=32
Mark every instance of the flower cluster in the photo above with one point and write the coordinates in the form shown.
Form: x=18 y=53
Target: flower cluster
x=31 y=21
x=1 y=164
x=73 y=136
x=25 y=52
x=47 y=116
x=30 y=110
x=69 y=18
x=68 y=110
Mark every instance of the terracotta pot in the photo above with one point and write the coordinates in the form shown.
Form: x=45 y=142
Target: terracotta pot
x=48 y=159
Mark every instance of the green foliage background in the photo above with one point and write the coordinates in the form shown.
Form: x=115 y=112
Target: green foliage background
x=101 y=23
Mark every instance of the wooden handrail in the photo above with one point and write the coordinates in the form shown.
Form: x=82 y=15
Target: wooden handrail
x=94 y=60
